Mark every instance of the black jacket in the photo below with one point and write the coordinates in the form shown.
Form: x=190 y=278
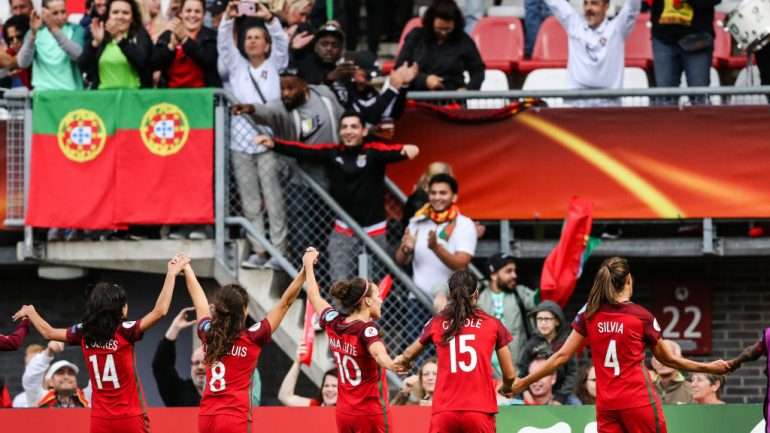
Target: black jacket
x=448 y=60
x=202 y=50
x=174 y=390
x=137 y=48
x=310 y=67
x=371 y=104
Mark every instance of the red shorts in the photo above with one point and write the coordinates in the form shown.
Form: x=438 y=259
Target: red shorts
x=379 y=423
x=132 y=424
x=462 y=422
x=644 y=419
x=223 y=424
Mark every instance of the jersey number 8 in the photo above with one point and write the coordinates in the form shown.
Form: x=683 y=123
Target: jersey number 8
x=217 y=382
x=459 y=344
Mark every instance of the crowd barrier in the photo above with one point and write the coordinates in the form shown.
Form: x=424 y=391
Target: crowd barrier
x=406 y=419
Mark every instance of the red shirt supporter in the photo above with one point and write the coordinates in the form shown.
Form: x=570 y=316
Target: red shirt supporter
x=111 y=369
x=618 y=335
x=465 y=379
x=360 y=391
x=228 y=381
x=184 y=72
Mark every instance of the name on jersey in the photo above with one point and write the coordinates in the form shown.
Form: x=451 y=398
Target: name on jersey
x=109 y=345
x=469 y=323
x=239 y=351
x=343 y=346
x=610 y=327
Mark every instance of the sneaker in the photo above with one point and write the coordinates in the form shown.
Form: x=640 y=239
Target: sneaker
x=179 y=234
x=197 y=235
x=273 y=264
x=255 y=261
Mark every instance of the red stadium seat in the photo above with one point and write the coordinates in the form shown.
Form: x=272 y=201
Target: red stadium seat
x=410 y=25
x=550 y=48
x=639 y=44
x=723 y=55
x=500 y=41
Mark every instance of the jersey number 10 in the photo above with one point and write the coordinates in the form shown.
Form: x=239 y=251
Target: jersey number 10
x=459 y=344
x=109 y=374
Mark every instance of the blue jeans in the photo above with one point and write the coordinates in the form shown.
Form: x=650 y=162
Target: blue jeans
x=535 y=12
x=672 y=60
x=473 y=11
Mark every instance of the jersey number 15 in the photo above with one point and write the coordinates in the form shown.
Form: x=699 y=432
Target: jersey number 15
x=460 y=344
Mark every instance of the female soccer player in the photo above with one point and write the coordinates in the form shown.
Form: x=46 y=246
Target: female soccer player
x=354 y=339
x=752 y=353
x=618 y=331
x=232 y=351
x=108 y=341
x=465 y=400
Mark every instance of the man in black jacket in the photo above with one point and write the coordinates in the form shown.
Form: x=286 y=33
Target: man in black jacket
x=174 y=390
x=318 y=64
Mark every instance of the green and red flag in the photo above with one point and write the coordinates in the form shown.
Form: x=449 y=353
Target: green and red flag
x=107 y=159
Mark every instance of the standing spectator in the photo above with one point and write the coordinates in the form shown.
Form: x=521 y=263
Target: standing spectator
x=551 y=334
x=174 y=390
x=357 y=182
x=20 y=400
x=295 y=12
x=541 y=391
x=321 y=64
x=186 y=51
x=154 y=22
x=327 y=396
x=707 y=388
x=376 y=18
x=419 y=196
x=443 y=51
x=53 y=385
x=14 y=31
x=52 y=48
x=596 y=56
x=94 y=9
x=419 y=389
x=118 y=55
x=473 y=11
x=763 y=63
x=535 y=12
x=254 y=79
x=682 y=41
x=586 y=385
x=9 y=343
x=672 y=386
x=21 y=7
x=320 y=13
x=438 y=241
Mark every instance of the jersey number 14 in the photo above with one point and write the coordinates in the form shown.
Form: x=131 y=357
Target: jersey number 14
x=109 y=374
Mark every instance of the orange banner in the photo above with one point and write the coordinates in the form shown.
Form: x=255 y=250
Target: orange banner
x=632 y=163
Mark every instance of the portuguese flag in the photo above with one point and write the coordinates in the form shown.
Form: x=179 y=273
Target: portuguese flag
x=106 y=159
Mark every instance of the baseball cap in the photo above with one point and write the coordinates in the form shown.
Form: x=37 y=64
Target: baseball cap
x=498 y=261
x=58 y=365
x=217 y=7
x=367 y=61
x=289 y=71
x=330 y=28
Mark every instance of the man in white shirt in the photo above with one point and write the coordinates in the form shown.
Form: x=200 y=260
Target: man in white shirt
x=596 y=43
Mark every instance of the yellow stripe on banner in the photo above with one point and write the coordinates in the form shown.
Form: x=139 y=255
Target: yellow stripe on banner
x=627 y=178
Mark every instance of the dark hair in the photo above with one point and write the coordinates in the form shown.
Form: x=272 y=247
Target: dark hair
x=580 y=387
x=350 y=293
x=202 y=2
x=356 y=114
x=103 y=312
x=713 y=380
x=45 y=3
x=330 y=372
x=227 y=321
x=136 y=16
x=463 y=285
x=445 y=178
x=445 y=10
x=246 y=23
x=609 y=281
x=19 y=22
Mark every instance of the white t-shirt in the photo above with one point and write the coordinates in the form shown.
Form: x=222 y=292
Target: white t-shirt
x=428 y=269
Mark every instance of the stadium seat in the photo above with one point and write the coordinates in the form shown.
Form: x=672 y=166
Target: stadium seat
x=550 y=48
x=746 y=80
x=556 y=79
x=639 y=45
x=412 y=24
x=506 y=11
x=500 y=41
x=494 y=80
x=714 y=81
x=723 y=55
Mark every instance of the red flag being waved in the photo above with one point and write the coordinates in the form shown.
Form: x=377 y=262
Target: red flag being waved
x=562 y=266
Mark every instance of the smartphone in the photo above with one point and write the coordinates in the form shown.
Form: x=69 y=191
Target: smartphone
x=247 y=8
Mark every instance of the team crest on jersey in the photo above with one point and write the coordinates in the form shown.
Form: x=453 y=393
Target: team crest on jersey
x=361 y=161
x=655 y=324
x=255 y=327
x=129 y=325
x=81 y=135
x=371 y=332
x=164 y=129
x=331 y=315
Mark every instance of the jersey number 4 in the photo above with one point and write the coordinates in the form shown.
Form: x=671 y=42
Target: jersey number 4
x=611 y=358
x=109 y=374
x=460 y=344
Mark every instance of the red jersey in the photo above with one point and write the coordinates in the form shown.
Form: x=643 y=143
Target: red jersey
x=228 y=381
x=116 y=388
x=358 y=391
x=465 y=381
x=618 y=334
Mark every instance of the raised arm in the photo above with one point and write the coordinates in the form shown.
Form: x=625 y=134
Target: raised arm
x=666 y=356
x=162 y=304
x=563 y=11
x=47 y=331
x=276 y=315
x=197 y=294
x=286 y=393
x=312 y=289
x=13 y=341
x=573 y=343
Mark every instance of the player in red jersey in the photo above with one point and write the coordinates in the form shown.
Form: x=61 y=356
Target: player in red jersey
x=465 y=400
x=354 y=340
x=232 y=351
x=618 y=332
x=108 y=341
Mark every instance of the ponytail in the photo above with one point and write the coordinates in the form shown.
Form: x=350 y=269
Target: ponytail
x=227 y=321
x=350 y=293
x=609 y=281
x=463 y=287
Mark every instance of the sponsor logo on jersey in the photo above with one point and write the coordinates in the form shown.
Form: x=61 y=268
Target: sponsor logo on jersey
x=255 y=327
x=164 y=129
x=370 y=332
x=331 y=315
x=129 y=325
x=81 y=135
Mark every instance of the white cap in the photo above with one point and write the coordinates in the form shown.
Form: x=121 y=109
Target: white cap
x=58 y=365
